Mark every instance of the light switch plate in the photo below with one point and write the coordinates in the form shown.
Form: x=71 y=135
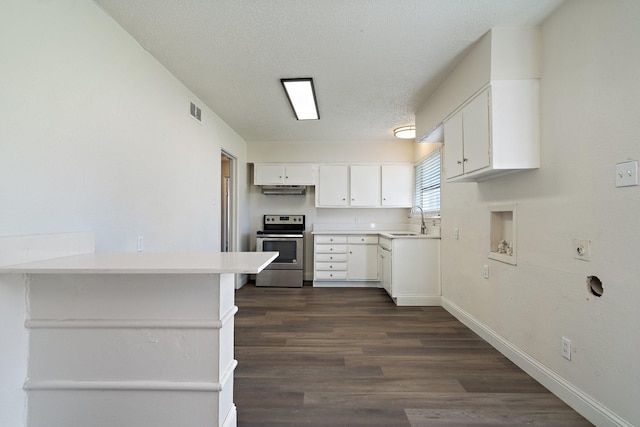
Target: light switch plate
x=627 y=174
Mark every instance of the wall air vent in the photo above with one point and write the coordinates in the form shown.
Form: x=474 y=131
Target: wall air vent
x=195 y=112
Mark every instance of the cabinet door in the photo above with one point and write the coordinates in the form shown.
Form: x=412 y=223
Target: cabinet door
x=362 y=262
x=397 y=185
x=299 y=174
x=385 y=270
x=332 y=186
x=475 y=125
x=365 y=185
x=268 y=174
x=453 y=143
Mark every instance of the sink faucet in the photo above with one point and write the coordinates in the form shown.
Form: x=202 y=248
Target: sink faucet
x=423 y=226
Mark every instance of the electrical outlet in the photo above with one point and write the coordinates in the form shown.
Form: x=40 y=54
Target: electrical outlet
x=456 y=233
x=486 y=271
x=140 y=244
x=566 y=348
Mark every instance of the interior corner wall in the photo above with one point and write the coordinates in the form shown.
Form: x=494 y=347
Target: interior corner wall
x=422 y=149
x=589 y=122
x=96 y=136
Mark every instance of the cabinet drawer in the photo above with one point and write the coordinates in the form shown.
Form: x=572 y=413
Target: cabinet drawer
x=331 y=266
x=331 y=275
x=331 y=239
x=365 y=239
x=333 y=257
x=331 y=249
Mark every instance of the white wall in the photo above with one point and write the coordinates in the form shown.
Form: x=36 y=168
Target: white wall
x=96 y=136
x=14 y=350
x=589 y=115
x=325 y=152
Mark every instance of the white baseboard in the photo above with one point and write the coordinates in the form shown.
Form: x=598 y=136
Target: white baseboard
x=417 y=301
x=581 y=402
x=344 y=284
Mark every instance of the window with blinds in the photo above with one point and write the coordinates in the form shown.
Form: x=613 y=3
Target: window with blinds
x=427 y=188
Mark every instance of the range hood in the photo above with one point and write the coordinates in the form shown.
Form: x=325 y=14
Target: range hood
x=284 y=190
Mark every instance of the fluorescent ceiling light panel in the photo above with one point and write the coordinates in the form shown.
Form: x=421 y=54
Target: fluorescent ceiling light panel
x=302 y=98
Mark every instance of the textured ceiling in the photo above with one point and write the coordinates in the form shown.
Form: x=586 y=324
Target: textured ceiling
x=374 y=62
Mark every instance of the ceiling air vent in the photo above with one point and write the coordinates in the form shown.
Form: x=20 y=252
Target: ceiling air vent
x=195 y=112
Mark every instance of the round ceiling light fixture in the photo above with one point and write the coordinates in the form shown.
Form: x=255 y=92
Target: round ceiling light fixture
x=405 y=132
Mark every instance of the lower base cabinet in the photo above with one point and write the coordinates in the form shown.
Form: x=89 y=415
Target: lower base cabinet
x=409 y=270
x=350 y=260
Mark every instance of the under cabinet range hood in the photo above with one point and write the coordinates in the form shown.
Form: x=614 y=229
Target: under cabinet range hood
x=284 y=190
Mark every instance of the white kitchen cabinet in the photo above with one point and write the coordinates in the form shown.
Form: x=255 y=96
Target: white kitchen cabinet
x=384 y=265
x=494 y=133
x=284 y=174
x=397 y=185
x=410 y=270
x=345 y=260
x=362 y=257
x=330 y=258
x=364 y=185
x=333 y=186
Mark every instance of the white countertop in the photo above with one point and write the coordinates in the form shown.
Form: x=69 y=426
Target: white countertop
x=391 y=234
x=149 y=263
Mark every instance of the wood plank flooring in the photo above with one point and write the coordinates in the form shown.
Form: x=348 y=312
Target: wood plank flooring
x=349 y=357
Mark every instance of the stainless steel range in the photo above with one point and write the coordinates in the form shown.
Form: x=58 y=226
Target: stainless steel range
x=284 y=234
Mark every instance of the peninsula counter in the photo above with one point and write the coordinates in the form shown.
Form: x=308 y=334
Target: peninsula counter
x=132 y=339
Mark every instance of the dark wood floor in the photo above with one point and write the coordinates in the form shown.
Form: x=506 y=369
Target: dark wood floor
x=349 y=357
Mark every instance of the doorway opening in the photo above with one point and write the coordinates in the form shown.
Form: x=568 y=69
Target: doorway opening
x=227 y=202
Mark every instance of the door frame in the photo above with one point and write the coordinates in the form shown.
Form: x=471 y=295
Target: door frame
x=233 y=200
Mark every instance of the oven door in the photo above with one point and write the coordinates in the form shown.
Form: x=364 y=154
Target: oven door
x=290 y=248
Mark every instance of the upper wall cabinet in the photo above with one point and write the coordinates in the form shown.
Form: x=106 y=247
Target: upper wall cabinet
x=284 y=174
x=333 y=186
x=364 y=186
x=397 y=185
x=506 y=53
x=494 y=133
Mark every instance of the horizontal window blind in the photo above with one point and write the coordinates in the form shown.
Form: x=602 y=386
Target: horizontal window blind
x=427 y=189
